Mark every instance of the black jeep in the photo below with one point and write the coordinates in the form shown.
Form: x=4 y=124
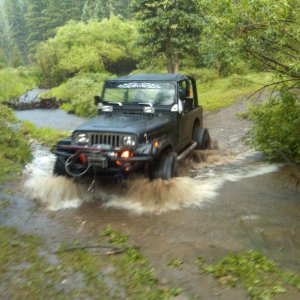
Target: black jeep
x=145 y=123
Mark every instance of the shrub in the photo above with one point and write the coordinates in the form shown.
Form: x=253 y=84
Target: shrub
x=14 y=148
x=276 y=128
x=15 y=82
x=87 y=47
x=80 y=91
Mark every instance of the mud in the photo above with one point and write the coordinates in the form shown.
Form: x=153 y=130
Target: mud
x=229 y=200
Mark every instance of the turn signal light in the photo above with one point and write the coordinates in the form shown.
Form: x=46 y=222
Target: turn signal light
x=155 y=144
x=125 y=154
x=83 y=158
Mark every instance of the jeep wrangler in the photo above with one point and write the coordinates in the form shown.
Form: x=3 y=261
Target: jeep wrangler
x=145 y=123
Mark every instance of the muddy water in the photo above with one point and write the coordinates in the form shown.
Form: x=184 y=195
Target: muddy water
x=232 y=201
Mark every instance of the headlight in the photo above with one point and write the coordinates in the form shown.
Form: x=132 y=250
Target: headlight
x=82 y=139
x=129 y=140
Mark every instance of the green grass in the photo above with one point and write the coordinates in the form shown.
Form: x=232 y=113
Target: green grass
x=46 y=136
x=15 y=148
x=79 y=273
x=223 y=92
x=256 y=273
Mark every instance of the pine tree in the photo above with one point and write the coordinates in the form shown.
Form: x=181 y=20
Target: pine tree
x=169 y=28
x=101 y=9
x=35 y=22
x=59 y=12
x=15 y=11
x=3 y=43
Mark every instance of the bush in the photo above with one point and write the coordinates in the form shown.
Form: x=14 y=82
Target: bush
x=80 y=91
x=87 y=47
x=14 y=148
x=276 y=128
x=15 y=82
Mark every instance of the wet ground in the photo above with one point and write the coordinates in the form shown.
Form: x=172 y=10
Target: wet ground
x=232 y=201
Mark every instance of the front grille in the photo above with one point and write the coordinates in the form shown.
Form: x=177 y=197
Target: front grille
x=111 y=139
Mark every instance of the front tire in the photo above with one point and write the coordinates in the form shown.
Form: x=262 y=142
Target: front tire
x=202 y=137
x=167 y=166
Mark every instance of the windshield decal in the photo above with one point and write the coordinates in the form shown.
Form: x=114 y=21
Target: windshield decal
x=134 y=85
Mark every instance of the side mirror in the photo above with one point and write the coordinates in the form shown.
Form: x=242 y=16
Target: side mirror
x=97 y=100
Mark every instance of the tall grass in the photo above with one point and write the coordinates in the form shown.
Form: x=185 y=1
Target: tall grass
x=222 y=92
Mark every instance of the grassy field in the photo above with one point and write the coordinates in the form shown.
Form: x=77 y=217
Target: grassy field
x=223 y=92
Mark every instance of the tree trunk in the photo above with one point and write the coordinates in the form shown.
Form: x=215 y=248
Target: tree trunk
x=170 y=64
x=176 y=63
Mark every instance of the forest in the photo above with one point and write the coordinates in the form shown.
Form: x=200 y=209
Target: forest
x=71 y=46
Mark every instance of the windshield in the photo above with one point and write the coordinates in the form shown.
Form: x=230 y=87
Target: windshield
x=156 y=93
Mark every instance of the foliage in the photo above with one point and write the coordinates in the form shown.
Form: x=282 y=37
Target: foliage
x=222 y=92
x=266 y=32
x=14 y=11
x=66 y=54
x=258 y=275
x=168 y=28
x=80 y=91
x=276 y=128
x=80 y=273
x=15 y=82
x=14 y=148
x=101 y=9
x=202 y=74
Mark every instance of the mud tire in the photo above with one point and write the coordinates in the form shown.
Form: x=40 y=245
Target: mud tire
x=167 y=166
x=59 y=168
x=202 y=137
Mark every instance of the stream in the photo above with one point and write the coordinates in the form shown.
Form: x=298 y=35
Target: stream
x=232 y=201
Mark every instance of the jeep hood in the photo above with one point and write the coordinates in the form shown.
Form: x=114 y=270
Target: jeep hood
x=125 y=123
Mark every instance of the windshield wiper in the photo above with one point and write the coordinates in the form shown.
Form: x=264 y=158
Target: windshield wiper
x=141 y=103
x=111 y=102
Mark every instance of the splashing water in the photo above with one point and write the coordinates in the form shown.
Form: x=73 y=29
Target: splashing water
x=138 y=195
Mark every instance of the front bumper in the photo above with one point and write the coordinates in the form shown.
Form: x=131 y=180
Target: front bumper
x=103 y=160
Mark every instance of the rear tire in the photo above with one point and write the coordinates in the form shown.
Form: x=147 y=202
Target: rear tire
x=202 y=137
x=59 y=168
x=167 y=166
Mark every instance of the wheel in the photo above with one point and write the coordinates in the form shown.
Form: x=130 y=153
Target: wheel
x=167 y=166
x=201 y=136
x=59 y=168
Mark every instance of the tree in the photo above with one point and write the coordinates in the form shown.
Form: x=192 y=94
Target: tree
x=35 y=22
x=266 y=32
x=85 y=47
x=59 y=12
x=100 y=9
x=15 y=11
x=3 y=43
x=168 y=28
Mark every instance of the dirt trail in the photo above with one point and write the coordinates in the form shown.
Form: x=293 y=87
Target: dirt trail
x=251 y=205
